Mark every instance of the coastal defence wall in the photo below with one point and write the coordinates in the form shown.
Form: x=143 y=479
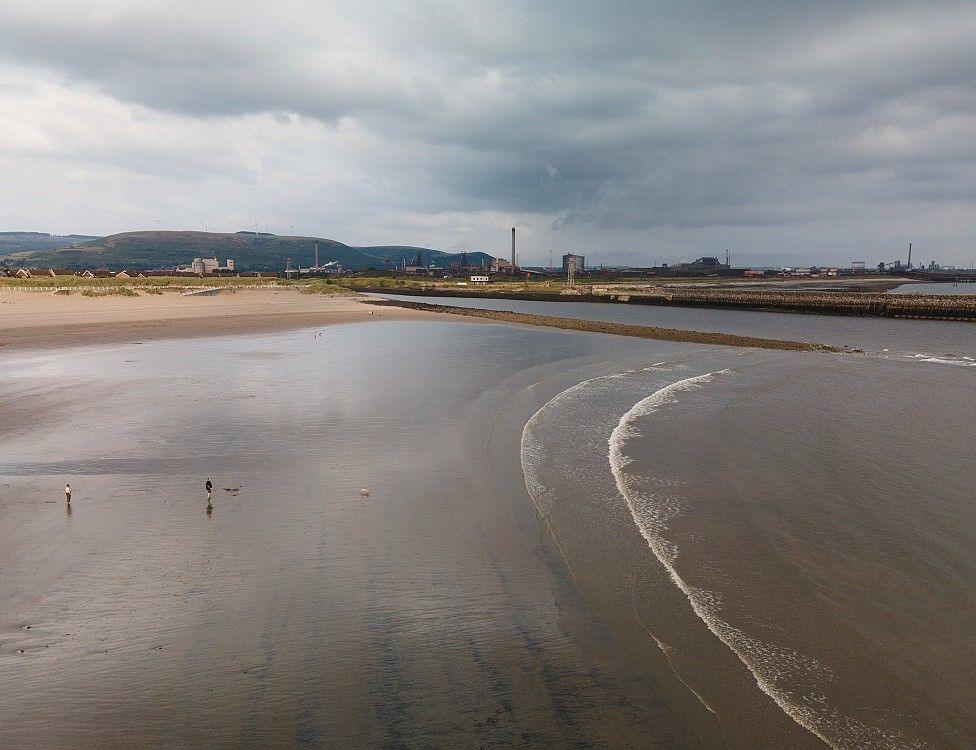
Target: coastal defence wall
x=873 y=304
x=617 y=329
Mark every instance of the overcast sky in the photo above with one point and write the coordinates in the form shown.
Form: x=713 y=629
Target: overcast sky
x=631 y=132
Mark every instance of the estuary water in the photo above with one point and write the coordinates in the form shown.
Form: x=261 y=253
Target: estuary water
x=910 y=339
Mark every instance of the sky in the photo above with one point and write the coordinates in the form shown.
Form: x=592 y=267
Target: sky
x=630 y=132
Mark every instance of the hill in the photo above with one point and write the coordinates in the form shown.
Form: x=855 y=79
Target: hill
x=251 y=251
x=22 y=244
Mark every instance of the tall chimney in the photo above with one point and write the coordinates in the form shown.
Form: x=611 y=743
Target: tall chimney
x=910 y=257
x=513 y=251
x=316 y=253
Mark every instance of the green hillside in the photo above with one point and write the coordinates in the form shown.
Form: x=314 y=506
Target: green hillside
x=250 y=251
x=24 y=243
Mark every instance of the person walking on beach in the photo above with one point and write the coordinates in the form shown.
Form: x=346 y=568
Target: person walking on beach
x=209 y=490
x=67 y=493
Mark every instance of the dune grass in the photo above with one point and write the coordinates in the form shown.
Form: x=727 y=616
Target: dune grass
x=119 y=291
x=328 y=287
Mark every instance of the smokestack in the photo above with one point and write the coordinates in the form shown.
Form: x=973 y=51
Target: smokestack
x=910 y=256
x=513 y=251
x=316 y=253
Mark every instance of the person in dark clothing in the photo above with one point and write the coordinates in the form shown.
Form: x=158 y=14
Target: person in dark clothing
x=209 y=489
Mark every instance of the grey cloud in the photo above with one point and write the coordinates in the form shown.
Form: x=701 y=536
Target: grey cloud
x=633 y=116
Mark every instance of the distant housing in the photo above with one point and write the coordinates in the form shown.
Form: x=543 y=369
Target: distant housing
x=123 y=273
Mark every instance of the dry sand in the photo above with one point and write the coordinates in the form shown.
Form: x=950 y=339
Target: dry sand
x=44 y=319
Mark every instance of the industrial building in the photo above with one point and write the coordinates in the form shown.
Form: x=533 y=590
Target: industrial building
x=500 y=265
x=207 y=265
x=578 y=262
x=706 y=264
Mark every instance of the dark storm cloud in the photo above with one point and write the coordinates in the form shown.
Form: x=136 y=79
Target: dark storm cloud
x=623 y=115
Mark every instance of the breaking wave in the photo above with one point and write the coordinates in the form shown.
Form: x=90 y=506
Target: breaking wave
x=572 y=423
x=770 y=665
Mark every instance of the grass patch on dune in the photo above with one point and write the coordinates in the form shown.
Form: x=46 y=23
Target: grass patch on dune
x=328 y=287
x=112 y=292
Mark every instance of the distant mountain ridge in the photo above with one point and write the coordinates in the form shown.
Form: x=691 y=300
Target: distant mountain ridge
x=22 y=244
x=251 y=251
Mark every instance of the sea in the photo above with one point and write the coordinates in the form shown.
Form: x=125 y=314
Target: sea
x=816 y=516
x=815 y=513
x=466 y=533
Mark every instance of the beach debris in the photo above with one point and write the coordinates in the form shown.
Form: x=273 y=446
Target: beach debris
x=364 y=491
x=234 y=489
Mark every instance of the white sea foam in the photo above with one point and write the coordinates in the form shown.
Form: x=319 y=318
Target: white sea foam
x=531 y=447
x=958 y=362
x=943 y=359
x=770 y=665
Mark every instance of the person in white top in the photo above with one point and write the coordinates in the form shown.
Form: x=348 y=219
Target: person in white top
x=67 y=492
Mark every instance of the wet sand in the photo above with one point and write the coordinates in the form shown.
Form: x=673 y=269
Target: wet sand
x=434 y=612
x=617 y=329
x=43 y=319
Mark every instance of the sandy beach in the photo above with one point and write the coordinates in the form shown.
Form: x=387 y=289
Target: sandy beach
x=36 y=319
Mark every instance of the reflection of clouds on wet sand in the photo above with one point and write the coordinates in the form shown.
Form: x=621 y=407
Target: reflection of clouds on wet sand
x=295 y=606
